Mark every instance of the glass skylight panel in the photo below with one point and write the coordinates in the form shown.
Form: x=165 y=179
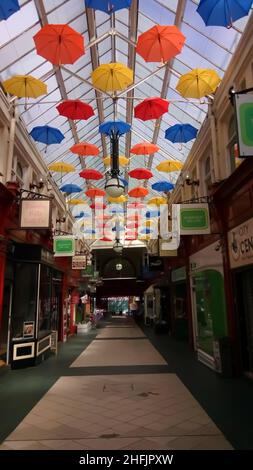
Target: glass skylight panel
x=24 y=19
x=66 y=12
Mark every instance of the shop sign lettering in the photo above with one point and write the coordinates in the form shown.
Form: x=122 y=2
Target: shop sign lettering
x=240 y=241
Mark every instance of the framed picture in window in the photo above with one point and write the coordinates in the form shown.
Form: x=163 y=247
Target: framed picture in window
x=28 y=329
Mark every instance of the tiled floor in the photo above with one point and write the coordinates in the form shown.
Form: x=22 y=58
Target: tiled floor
x=131 y=411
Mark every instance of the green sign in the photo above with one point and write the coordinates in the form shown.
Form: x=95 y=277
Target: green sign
x=244 y=118
x=194 y=219
x=64 y=246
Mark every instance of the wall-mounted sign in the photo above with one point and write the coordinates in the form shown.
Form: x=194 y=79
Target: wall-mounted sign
x=64 y=245
x=240 y=244
x=35 y=214
x=244 y=118
x=79 y=262
x=194 y=219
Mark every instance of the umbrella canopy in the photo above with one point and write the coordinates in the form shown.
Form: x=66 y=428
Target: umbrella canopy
x=138 y=192
x=85 y=149
x=75 y=109
x=151 y=108
x=141 y=174
x=132 y=225
x=157 y=201
x=114 y=127
x=70 y=189
x=116 y=210
x=223 y=12
x=144 y=148
x=146 y=230
x=123 y=161
x=97 y=206
x=160 y=43
x=8 y=8
x=148 y=223
x=90 y=174
x=169 y=165
x=125 y=182
x=112 y=77
x=25 y=86
x=61 y=167
x=162 y=186
x=90 y=231
x=59 y=44
x=181 y=133
x=76 y=202
x=198 y=83
x=150 y=214
x=95 y=192
x=117 y=200
x=47 y=135
x=108 y=6
x=82 y=214
x=136 y=205
x=105 y=239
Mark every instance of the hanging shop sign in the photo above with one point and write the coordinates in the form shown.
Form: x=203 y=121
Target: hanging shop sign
x=194 y=219
x=244 y=119
x=240 y=244
x=79 y=262
x=64 y=245
x=166 y=248
x=35 y=214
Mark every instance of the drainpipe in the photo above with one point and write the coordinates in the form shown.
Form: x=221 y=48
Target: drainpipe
x=214 y=143
x=11 y=142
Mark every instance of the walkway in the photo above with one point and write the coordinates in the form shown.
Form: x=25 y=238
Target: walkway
x=118 y=393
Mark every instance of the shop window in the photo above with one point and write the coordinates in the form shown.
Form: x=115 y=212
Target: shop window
x=45 y=313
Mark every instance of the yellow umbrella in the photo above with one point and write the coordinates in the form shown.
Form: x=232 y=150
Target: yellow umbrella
x=75 y=202
x=123 y=161
x=25 y=86
x=148 y=223
x=112 y=77
x=169 y=165
x=157 y=201
x=61 y=167
x=198 y=83
x=117 y=200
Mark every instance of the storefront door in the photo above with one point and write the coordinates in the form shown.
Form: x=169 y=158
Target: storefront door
x=244 y=289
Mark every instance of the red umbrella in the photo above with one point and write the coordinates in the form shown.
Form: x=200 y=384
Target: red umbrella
x=97 y=206
x=138 y=192
x=160 y=43
x=90 y=174
x=131 y=226
x=151 y=108
x=144 y=148
x=84 y=149
x=95 y=192
x=105 y=239
x=59 y=43
x=140 y=174
x=136 y=205
x=75 y=109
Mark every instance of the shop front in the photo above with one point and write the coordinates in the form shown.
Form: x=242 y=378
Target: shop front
x=180 y=327
x=208 y=303
x=240 y=246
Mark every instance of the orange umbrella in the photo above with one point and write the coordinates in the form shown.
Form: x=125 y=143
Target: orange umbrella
x=140 y=174
x=144 y=148
x=160 y=43
x=84 y=149
x=138 y=192
x=95 y=192
x=91 y=174
x=59 y=43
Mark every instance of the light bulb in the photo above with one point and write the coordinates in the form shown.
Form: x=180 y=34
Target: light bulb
x=114 y=187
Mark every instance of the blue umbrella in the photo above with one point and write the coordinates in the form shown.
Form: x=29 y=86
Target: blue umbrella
x=120 y=229
x=8 y=8
x=108 y=6
x=163 y=186
x=118 y=127
x=150 y=214
x=181 y=133
x=70 y=188
x=116 y=210
x=82 y=215
x=90 y=231
x=146 y=230
x=47 y=135
x=125 y=182
x=223 y=12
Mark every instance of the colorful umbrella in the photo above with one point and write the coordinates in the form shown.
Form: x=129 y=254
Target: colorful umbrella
x=123 y=161
x=160 y=43
x=135 y=205
x=169 y=165
x=105 y=239
x=95 y=192
x=162 y=186
x=47 y=135
x=138 y=192
x=117 y=200
x=181 y=133
x=157 y=201
x=108 y=6
x=76 y=202
x=75 y=109
x=85 y=215
x=132 y=225
x=141 y=174
x=61 y=167
x=151 y=108
x=148 y=223
x=116 y=210
x=59 y=44
x=84 y=149
x=150 y=214
x=125 y=182
x=97 y=206
x=91 y=174
x=112 y=77
x=223 y=12
x=114 y=127
x=144 y=148
x=8 y=8
x=70 y=189
x=146 y=230
x=25 y=86
x=198 y=83
x=90 y=231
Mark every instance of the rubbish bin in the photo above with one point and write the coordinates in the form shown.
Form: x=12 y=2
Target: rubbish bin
x=223 y=356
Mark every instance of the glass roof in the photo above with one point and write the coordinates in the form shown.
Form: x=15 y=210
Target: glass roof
x=205 y=47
